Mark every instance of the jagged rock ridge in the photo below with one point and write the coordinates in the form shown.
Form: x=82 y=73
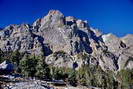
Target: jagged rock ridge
x=62 y=39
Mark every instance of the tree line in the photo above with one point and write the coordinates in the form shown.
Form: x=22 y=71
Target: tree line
x=88 y=75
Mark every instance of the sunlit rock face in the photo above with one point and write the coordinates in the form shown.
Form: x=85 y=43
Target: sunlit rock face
x=55 y=33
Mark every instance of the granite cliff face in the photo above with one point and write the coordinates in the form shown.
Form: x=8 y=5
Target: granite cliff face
x=69 y=42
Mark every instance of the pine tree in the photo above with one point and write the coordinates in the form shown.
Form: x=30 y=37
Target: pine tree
x=28 y=66
x=42 y=68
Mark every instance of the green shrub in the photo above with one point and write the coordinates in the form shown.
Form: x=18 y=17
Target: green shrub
x=66 y=74
x=28 y=66
x=1 y=56
x=16 y=57
x=82 y=76
x=58 y=73
x=42 y=69
x=125 y=77
x=90 y=75
x=72 y=77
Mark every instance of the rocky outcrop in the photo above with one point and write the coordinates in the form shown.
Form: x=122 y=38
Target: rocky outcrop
x=60 y=59
x=57 y=33
x=6 y=68
x=121 y=48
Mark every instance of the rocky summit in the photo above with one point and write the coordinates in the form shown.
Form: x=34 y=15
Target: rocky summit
x=65 y=40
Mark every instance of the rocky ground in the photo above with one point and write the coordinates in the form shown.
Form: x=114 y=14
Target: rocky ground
x=27 y=85
x=40 y=85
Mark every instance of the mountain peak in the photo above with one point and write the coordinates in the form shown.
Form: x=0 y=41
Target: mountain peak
x=55 y=12
x=58 y=33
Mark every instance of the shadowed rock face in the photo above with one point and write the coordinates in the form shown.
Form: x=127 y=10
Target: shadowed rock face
x=56 y=32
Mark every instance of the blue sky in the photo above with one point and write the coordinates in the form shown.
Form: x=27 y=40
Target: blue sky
x=115 y=16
